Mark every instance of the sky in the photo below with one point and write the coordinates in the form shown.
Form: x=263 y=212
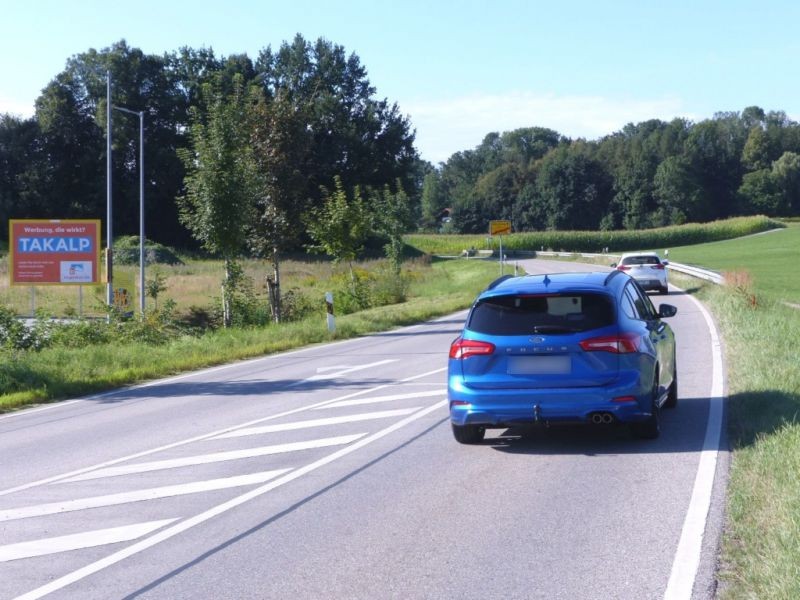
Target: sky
x=460 y=70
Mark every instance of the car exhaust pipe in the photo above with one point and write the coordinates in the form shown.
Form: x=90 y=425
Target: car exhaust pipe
x=602 y=418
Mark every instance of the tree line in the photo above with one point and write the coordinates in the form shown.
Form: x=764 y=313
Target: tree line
x=311 y=116
x=302 y=115
x=650 y=174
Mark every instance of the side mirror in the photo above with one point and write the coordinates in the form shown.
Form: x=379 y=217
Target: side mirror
x=613 y=265
x=666 y=310
x=665 y=262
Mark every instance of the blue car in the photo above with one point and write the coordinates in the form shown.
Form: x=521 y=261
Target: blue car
x=563 y=348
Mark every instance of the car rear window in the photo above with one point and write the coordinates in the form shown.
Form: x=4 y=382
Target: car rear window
x=553 y=314
x=641 y=260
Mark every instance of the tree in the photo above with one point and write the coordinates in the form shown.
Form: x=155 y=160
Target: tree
x=363 y=140
x=340 y=226
x=281 y=146
x=433 y=201
x=392 y=220
x=221 y=183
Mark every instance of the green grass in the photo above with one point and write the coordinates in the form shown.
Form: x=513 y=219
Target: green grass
x=761 y=545
x=55 y=373
x=771 y=259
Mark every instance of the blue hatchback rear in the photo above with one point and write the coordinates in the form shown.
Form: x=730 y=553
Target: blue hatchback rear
x=562 y=348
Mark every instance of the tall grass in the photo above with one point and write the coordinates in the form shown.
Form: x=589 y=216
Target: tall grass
x=595 y=241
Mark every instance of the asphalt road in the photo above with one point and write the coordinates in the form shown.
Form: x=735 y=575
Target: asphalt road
x=331 y=472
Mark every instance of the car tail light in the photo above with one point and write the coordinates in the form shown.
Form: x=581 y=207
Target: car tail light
x=623 y=268
x=616 y=344
x=659 y=267
x=461 y=348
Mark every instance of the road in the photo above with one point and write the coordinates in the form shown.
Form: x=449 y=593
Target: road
x=331 y=472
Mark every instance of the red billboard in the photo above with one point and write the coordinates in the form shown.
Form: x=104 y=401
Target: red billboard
x=54 y=252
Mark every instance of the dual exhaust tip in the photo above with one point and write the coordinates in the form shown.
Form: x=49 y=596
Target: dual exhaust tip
x=602 y=418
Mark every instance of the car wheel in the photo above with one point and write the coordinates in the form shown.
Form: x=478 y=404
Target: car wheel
x=468 y=434
x=672 y=394
x=651 y=428
x=663 y=290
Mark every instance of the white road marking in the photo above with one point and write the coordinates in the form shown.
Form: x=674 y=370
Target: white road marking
x=79 y=541
x=167 y=491
x=31 y=411
x=179 y=528
x=384 y=414
x=687 y=556
x=344 y=371
x=206 y=436
x=375 y=399
x=205 y=459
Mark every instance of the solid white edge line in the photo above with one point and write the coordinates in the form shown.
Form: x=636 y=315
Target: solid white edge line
x=33 y=411
x=166 y=534
x=687 y=556
x=79 y=541
x=206 y=436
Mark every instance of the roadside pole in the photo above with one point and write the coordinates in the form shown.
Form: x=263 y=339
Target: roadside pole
x=329 y=312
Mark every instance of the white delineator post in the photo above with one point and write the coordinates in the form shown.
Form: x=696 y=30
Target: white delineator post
x=329 y=311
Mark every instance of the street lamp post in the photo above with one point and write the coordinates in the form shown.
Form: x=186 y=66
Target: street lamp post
x=109 y=237
x=141 y=202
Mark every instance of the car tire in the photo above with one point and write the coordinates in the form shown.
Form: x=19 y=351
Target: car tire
x=664 y=290
x=672 y=394
x=651 y=427
x=468 y=434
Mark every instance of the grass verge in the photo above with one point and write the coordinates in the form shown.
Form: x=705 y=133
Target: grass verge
x=56 y=373
x=761 y=545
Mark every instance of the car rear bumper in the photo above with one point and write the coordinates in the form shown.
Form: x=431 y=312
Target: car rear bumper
x=510 y=407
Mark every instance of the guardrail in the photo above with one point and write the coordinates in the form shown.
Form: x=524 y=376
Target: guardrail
x=699 y=272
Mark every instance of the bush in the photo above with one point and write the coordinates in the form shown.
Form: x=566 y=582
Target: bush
x=126 y=252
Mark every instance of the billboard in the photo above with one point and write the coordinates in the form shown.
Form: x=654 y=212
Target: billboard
x=54 y=252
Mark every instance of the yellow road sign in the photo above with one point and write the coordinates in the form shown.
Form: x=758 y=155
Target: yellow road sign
x=499 y=227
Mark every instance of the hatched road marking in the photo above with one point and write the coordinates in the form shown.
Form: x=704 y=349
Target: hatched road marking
x=205 y=459
x=78 y=541
x=384 y=414
x=376 y=399
x=168 y=491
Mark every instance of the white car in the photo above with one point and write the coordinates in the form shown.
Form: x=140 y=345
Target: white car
x=647 y=269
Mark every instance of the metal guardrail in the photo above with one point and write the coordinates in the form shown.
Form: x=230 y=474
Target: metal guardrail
x=699 y=272
x=706 y=274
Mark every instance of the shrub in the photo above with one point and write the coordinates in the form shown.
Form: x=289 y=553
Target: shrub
x=126 y=252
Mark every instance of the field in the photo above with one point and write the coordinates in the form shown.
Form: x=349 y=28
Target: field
x=769 y=258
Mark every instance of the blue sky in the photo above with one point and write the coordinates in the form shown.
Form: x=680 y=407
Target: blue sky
x=461 y=69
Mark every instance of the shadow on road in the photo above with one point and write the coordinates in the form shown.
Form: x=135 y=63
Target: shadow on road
x=757 y=414
x=682 y=430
